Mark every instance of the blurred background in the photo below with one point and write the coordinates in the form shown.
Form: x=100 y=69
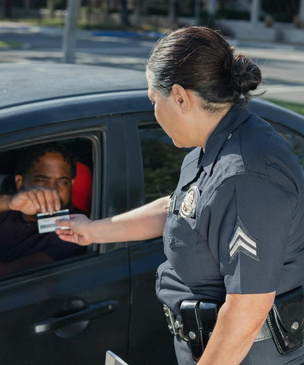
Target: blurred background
x=122 y=33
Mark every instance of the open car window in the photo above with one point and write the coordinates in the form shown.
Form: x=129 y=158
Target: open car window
x=22 y=247
x=161 y=162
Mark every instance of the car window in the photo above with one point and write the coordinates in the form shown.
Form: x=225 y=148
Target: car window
x=161 y=162
x=22 y=246
x=295 y=139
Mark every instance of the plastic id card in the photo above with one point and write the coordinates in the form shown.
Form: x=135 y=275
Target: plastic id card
x=47 y=222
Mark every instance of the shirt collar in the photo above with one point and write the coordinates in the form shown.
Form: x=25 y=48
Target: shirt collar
x=237 y=115
x=191 y=166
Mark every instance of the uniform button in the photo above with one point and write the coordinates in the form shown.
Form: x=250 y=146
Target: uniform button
x=169 y=239
x=230 y=135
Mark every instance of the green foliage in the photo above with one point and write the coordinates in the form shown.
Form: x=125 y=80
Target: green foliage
x=298 y=108
x=7 y=45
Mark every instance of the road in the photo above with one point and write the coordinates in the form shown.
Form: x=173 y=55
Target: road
x=282 y=65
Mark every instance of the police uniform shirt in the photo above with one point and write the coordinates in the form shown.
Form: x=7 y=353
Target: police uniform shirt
x=235 y=223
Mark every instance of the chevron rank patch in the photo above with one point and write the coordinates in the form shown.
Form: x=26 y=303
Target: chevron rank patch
x=243 y=242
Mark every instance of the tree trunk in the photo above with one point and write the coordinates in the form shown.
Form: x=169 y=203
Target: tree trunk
x=8 y=9
x=105 y=6
x=301 y=12
x=69 y=36
x=211 y=7
x=27 y=5
x=124 y=14
x=255 y=11
x=51 y=8
x=197 y=11
x=137 y=12
x=172 y=12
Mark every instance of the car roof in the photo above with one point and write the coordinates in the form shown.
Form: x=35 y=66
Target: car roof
x=23 y=83
x=39 y=94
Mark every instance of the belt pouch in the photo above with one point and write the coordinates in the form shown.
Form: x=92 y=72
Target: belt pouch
x=199 y=320
x=285 y=320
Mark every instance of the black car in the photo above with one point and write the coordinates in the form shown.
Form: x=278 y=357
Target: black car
x=72 y=311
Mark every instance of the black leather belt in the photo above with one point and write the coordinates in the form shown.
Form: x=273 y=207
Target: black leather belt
x=285 y=322
x=196 y=323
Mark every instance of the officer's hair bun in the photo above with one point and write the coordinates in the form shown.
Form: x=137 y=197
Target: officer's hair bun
x=247 y=75
x=201 y=59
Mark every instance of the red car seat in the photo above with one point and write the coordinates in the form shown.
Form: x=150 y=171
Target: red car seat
x=82 y=188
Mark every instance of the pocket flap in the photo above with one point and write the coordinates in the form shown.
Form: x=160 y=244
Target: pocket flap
x=289 y=310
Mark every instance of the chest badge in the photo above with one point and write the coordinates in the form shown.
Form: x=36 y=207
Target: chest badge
x=188 y=207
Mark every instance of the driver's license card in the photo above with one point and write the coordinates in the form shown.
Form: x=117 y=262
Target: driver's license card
x=47 y=222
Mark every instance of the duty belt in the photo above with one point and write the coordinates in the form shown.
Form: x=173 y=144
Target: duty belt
x=196 y=323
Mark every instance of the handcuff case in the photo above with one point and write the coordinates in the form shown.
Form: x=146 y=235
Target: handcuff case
x=285 y=320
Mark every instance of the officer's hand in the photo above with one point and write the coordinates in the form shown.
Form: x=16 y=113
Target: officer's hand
x=78 y=231
x=38 y=199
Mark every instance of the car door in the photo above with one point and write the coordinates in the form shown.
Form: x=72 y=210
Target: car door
x=72 y=311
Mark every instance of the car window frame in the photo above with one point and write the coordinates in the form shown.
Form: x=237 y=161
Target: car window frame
x=96 y=137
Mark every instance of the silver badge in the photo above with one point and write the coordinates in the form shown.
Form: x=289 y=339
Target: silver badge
x=188 y=207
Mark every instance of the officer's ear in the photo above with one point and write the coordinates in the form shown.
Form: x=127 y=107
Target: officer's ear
x=182 y=97
x=19 y=182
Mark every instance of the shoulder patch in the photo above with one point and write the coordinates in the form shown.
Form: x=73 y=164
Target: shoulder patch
x=243 y=242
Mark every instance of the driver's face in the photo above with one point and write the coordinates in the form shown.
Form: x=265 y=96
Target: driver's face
x=53 y=172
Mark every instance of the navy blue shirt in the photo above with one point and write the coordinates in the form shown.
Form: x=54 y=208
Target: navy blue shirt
x=236 y=219
x=20 y=238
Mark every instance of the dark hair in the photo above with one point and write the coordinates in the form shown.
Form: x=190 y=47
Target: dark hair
x=200 y=59
x=33 y=153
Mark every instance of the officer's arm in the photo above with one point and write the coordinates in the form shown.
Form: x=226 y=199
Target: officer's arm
x=239 y=321
x=142 y=223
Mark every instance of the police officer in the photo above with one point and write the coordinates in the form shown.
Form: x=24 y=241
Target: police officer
x=233 y=228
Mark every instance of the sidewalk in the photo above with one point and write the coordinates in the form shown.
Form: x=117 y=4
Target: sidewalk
x=145 y=35
x=81 y=34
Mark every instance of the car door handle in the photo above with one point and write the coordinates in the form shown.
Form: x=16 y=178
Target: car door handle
x=93 y=311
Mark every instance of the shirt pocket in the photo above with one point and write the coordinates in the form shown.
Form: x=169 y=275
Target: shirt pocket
x=180 y=232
